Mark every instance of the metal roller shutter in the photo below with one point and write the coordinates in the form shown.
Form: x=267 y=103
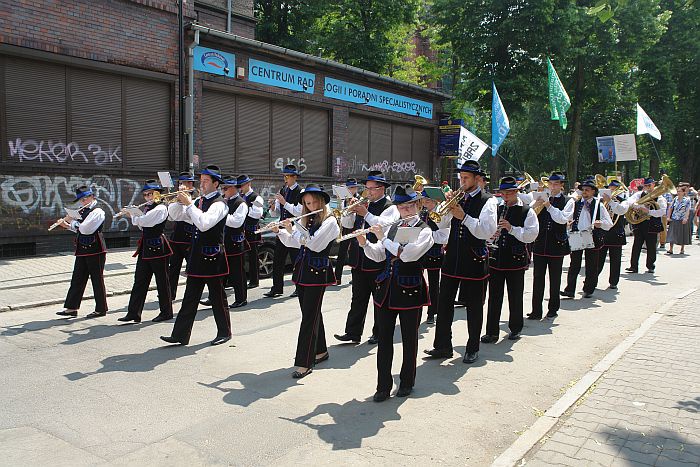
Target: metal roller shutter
x=421 y=150
x=380 y=143
x=35 y=97
x=148 y=125
x=96 y=117
x=218 y=130
x=315 y=141
x=253 y=135
x=286 y=135
x=358 y=154
x=401 y=136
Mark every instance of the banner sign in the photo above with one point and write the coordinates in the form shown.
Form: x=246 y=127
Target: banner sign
x=214 y=61
x=617 y=148
x=470 y=147
x=349 y=92
x=500 y=125
x=280 y=76
x=448 y=136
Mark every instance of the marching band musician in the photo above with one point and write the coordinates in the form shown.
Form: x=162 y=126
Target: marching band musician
x=646 y=232
x=286 y=205
x=364 y=269
x=508 y=260
x=181 y=238
x=207 y=263
x=432 y=260
x=90 y=255
x=550 y=246
x=313 y=272
x=401 y=290
x=252 y=221
x=588 y=215
x=472 y=221
x=153 y=251
x=347 y=225
x=615 y=238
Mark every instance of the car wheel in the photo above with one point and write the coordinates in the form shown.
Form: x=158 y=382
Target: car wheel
x=265 y=255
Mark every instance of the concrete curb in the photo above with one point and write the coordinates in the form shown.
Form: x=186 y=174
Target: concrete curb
x=524 y=444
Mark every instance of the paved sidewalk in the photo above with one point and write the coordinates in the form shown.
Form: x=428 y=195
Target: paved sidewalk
x=645 y=410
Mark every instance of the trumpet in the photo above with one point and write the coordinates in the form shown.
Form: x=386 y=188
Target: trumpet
x=338 y=213
x=359 y=232
x=445 y=207
x=277 y=224
x=157 y=198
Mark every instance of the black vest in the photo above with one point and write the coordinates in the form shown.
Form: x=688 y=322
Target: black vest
x=314 y=268
x=552 y=239
x=432 y=259
x=153 y=243
x=598 y=233
x=234 y=237
x=251 y=224
x=401 y=285
x=467 y=256
x=510 y=253
x=92 y=244
x=182 y=233
x=616 y=235
x=652 y=225
x=356 y=255
x=292 y=197
x=207 y=255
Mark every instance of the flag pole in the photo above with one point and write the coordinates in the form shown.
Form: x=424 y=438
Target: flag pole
x=654 y=146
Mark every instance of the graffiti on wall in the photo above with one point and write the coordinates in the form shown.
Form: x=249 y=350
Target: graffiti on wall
x=345 y=166
x=300 y=163
x=58 y=152
x=30 y=203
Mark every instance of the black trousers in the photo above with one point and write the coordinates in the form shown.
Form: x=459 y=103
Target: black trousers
x=515 y=283
x=193 y=293
x=386 y=323
x=236 y=277
x=446 y=311
x=279 y=261
x=145 y=270
x=87 y=267
x=615 y=262
x=592 y=270
x=180 y=252
x=342 y=255
x=312 y=334
x=641 y=236
x=540 y=266
x=434 y=288
x=253 y=265
x=363 y=284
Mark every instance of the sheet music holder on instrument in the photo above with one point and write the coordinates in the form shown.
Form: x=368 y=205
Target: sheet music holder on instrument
x=342 y=192
x=406 y=235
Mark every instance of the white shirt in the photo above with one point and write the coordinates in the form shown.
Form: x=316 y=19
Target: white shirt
x=176 y=212
x=236 y=219
x=526 y=198
x=92 y=222
x=256 y=211
x=389 y=215
x=202 y=220
x=295 y=209
x=482 y=227
x=560 y=216
x=410 y=252
x=617 y=207
x=652 y=212
x=152 y=218
x=326 y=233
x=531 y=228
x=584 y=219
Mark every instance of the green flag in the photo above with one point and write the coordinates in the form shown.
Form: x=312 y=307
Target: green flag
x=559 y=101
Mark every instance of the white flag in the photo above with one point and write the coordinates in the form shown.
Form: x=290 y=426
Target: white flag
x=470 y=146
x=645 y=125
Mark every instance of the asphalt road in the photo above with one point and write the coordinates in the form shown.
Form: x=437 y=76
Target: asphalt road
x=81 y=392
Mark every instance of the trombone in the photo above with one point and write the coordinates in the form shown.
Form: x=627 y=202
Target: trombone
x=277 y=224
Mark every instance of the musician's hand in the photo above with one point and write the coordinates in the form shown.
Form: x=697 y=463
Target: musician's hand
x=362 y=240
x=449 y=195
x=504 y=224
x=275 y=229
x=458 y=212
x=360 y=210
x=547 y=204
x=280 y=199
x=378 y=231
x=125 y=213
x=287 y=224
x=644 y=209
x=184 y=198
x=538 y=202
x=597 y=224
x=606 y=197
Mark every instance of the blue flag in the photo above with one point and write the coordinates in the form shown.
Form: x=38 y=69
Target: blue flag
x=500 y=126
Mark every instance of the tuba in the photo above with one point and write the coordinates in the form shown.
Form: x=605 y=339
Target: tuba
x=528 y=180
x=635 y=216
x=421 y=181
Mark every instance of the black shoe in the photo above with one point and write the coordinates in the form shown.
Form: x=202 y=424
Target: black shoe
x=293 y=294
x=552 y=314
x=67 y=313
x=220 y=340
x=347 y=338
x=253 y=285
x=172 y=340
x=404 y=392
x=162 y=317
x=514 y=336
x=380 y=396
x=631 y=270
x=533 y=316
x=587 y=294
x=321 y=359
x=470 y=357
x=129 y=318
x=613 y=287
x=650 y=271
x=430 y=320
x=272 y=294
x=372 y=340
x=487 y=339
x=564 y=293
x=438 y=353
x=299 y=375
x=96 y=314
x=239 y=304
x=205 y=302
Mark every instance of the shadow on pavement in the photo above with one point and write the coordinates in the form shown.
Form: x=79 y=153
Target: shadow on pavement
x=254 y=386
x=643 y=448
x=691 y=405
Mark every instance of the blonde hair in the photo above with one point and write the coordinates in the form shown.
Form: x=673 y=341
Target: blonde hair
x=319 y=217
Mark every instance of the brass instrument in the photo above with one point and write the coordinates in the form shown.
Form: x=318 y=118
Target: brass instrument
x=158 y=197
x=338 y=213
x=421 y=181
x=277 y=224
x=544 y=185
x=445 y=207
x=635 y=216
x=528 y=180
x=614 y=194
x=600 y=181
x=359 y=232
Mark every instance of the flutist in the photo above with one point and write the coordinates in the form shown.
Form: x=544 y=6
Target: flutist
x=90 y=255
x=181 y=238
x=347 y=223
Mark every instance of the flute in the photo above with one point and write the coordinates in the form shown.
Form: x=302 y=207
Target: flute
x=56 y=224
x=359 y=232
x=274 y=224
